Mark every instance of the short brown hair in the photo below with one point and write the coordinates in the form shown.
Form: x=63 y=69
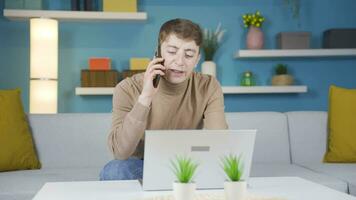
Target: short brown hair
x=183 y=29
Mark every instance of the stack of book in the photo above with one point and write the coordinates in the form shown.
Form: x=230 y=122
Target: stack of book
x=99 y=74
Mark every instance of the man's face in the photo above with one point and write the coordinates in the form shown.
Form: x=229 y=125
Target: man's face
x=180 y=58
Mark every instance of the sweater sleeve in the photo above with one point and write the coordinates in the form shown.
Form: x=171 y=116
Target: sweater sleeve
x=214 y=116
x=129 y=119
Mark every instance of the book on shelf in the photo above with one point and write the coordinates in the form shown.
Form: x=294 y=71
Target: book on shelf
x=120 y=5
x=139 y=63
x=128 y=73
x=99 y=78
x=99 y=63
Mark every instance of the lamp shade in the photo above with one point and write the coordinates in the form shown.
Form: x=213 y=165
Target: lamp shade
x=44 y=48
x=43 y=65
x=43 y=96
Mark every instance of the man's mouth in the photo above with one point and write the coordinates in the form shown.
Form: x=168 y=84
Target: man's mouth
x=176 y=71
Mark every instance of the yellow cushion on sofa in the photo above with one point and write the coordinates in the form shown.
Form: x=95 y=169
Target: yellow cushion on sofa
x=341 y=125
x=16 y=145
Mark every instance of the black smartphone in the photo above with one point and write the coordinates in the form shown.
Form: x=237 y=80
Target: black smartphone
x=157 y=55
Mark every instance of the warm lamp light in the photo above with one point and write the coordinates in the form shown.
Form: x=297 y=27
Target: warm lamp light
x=43 y=65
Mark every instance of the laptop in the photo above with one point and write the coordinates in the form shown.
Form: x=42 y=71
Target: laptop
x=206 y=147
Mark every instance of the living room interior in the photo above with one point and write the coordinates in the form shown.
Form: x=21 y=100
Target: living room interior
x=286 y=68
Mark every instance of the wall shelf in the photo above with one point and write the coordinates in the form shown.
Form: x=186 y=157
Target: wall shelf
x=280 y=53
x=264 y=89
x=226 y=90
x=94 y=90
x=89 y=16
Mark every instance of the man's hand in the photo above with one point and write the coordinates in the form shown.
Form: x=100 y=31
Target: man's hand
x=148 y=90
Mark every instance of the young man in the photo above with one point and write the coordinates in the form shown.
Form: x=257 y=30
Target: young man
x=183 y=99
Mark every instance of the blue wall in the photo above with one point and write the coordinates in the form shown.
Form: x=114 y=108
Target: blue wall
x=122 y=40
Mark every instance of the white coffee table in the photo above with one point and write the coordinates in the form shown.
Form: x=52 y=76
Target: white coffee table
x=291 y=188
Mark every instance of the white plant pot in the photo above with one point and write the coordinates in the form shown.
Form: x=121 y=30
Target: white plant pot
x=235 y=190
x=184 y=191
x=208 y=67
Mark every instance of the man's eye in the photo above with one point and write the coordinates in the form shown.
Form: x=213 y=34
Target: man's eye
x=171 y=52
x=188 y=56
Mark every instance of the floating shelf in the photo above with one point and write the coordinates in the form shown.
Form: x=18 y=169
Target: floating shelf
x=94 y=90
x=280 y=53
x=88 y=16
x=226 y=90
x=264 y=89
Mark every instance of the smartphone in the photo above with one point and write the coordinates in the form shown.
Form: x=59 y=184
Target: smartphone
x=157 y=55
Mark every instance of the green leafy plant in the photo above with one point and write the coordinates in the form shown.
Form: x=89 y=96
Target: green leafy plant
x=281 y=69
x=253 y=19
x=233 y=167
x=211 y=42
x=184 y=168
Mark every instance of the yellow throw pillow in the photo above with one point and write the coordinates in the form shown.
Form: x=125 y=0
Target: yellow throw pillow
x=16 y=145
x=341 y=125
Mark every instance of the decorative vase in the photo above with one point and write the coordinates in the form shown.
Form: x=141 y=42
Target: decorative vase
x=208 y=67
x=284 y=79
x=254 y=39
x=184 y=191
x=235 y=190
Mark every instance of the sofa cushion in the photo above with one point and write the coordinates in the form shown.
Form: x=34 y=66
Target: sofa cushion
x=17 y=150
x=71 y=140
x=268 y=170
x=342 y=171
x=308 y=135
x=272 y=143
x=342 y=125
x=25 y=184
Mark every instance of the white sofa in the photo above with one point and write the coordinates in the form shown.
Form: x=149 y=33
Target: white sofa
x=72 y=147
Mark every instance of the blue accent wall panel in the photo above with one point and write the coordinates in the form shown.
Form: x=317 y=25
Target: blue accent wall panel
x=122 y=40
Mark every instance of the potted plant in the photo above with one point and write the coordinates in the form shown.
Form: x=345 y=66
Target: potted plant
x=254 y=22
x=281 y=76
x=234 y=187
x=184 y=169
x=211 y=43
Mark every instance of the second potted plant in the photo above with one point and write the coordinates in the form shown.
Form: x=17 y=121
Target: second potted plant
x=211 y=43
x=282 y=77
x=184 y=169
x=234 y=187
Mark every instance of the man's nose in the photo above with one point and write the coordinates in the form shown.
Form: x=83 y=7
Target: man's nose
x=179 y=58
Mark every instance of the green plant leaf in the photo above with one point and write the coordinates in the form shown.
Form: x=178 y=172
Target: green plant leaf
x=233 y=167
x=184 y=168
x=211 y=42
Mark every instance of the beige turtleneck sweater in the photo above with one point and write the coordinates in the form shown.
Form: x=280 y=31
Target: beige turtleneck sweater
x=196 y=103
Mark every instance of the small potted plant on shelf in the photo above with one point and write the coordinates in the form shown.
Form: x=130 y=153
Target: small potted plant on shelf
x=281 y=76
x=211 y=42
x=234 y=187
x=184 y=169
x=254 y=22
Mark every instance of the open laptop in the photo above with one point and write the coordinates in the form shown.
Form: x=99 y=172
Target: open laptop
x=206 y=147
